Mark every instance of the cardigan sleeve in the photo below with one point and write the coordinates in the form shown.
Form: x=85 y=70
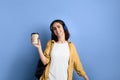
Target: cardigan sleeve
x=47 y=51
x=77 y=63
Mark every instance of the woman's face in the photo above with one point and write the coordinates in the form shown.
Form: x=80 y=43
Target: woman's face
x=58 y=29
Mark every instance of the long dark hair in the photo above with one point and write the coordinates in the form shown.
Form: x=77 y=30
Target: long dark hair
x=53 y=36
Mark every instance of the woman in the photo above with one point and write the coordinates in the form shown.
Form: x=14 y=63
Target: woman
x=60 y=55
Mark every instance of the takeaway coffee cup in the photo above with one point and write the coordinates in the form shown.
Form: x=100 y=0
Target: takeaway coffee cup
x=35 y=38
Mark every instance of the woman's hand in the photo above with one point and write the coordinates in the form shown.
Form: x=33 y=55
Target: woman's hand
x=37 y=45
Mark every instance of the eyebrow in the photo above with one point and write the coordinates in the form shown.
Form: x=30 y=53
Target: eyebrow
x=54 y=26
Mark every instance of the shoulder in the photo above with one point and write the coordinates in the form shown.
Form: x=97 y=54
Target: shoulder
x=70 y=43
x=50 y=42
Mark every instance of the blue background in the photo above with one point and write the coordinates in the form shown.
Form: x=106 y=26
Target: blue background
x=94 y=26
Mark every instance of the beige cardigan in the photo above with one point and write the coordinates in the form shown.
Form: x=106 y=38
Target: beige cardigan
x=74 y=61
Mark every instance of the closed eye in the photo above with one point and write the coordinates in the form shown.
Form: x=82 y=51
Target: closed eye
x=54 y=28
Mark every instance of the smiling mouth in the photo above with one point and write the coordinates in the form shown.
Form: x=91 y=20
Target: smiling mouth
x=58 y=32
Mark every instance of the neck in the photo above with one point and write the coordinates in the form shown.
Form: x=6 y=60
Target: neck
x=61 y=40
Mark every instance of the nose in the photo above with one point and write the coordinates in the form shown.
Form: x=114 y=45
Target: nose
x=57 y=29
